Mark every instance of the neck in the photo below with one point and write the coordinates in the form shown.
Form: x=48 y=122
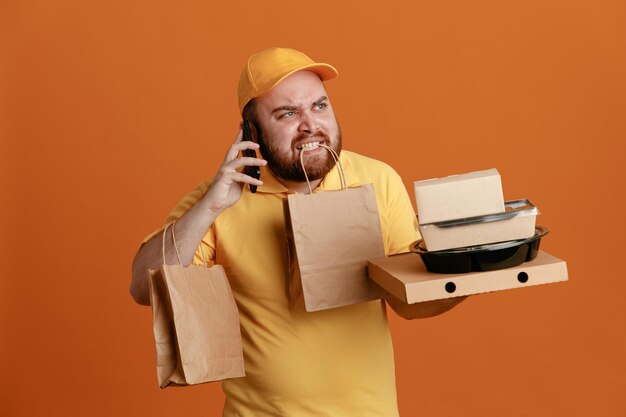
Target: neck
x=300 y=187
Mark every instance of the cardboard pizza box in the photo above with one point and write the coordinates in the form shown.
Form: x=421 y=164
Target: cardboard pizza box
x=406 y=277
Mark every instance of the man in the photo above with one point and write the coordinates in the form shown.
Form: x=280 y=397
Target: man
x=336 y=362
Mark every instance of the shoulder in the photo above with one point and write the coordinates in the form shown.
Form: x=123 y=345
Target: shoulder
x=189 y=200
x=386 y=181
x=368 y=169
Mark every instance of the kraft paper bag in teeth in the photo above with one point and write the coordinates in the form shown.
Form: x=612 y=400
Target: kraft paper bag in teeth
x=331 y=235
x=195 y=323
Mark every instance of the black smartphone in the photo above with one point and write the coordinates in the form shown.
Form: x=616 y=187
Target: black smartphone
x=253 y=171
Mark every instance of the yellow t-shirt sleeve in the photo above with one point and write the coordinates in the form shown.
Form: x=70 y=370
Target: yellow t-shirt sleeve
x=402 y=227
x=206 y=249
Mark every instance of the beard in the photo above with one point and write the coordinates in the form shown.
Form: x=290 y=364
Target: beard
x=287 y=165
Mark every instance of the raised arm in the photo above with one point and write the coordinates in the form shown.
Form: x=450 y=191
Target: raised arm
x=224 y=191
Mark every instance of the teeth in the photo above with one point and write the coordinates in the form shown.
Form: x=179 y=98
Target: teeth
x=310 y=146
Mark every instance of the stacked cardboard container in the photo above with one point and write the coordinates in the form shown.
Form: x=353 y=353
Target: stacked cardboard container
x=461 y=213
x=469 y=209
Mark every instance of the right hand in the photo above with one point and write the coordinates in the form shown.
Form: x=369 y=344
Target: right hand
x=227 y=186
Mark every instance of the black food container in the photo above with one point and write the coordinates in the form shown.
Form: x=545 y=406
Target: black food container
x=482 y=257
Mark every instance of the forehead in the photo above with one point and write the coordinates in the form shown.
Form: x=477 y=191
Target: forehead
x=299 y=89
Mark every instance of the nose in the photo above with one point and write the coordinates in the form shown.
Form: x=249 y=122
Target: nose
x=308 y=123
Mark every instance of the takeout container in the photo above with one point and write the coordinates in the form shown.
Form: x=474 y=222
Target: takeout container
x=459 y=196
x=487 y=257
x=516 y=222
x=473 y=242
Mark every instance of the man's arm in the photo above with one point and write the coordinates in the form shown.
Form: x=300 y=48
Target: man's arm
x=190 y=228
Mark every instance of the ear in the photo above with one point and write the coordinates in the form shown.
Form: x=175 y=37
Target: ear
x=254 y=131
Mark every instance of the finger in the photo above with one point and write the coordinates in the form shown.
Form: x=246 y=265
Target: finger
x=246 y=179
x=234 y=150
x=237 y=164
x=239 y=137
x=246 y=144
x=246 y=161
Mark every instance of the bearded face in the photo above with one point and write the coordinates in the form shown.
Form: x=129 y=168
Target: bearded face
x=287 y=165
x=294 y=118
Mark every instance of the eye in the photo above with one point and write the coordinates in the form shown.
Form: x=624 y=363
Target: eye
x=287 y=114
x=321 y=106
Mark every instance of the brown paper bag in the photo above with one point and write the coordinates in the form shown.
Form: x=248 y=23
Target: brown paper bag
x=195 y=323
x=331 y=235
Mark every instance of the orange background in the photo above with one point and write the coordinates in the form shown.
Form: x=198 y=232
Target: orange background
x=112 y=111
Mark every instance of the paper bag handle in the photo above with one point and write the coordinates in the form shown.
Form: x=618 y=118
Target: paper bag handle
x=342 y=177
x=176 y=246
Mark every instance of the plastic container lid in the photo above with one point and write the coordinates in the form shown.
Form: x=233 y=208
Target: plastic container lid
x=513 y=209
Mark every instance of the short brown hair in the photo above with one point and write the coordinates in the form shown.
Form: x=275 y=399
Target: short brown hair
x=249 y=112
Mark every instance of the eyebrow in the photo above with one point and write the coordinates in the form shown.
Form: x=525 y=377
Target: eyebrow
x=285 y=108
x=320 y=100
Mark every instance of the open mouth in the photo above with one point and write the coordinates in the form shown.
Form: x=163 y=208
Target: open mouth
x=309 y=146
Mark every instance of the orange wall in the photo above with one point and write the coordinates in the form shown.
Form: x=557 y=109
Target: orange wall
x=111 y=111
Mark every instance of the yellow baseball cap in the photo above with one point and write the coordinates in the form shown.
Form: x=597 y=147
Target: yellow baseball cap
x=265 y=69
